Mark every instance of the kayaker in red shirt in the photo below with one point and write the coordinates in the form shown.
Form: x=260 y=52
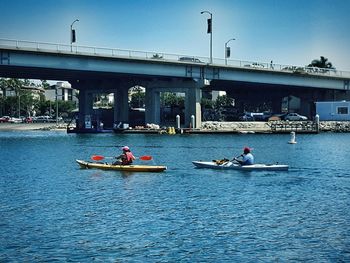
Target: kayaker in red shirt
x=125 y=158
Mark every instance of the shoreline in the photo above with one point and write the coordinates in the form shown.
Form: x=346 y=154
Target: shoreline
x=33 y=127
x=207 y=127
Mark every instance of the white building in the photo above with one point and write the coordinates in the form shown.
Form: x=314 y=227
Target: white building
x=64 y=92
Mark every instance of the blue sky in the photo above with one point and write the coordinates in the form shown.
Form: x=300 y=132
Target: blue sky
x=292 y=32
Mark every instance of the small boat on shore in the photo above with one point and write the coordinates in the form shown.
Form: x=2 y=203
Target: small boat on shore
x=234 y=166
x=126 y=168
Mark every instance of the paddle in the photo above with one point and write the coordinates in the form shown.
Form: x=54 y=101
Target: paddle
x=101 y=157
x=235 y=159
x=145 y=158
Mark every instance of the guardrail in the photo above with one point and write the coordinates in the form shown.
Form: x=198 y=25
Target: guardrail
x=160 y=56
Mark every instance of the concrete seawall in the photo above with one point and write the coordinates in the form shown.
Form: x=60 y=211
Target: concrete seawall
x=335 y=126
x=236 y=126
x=267 y=127
x=207 y=127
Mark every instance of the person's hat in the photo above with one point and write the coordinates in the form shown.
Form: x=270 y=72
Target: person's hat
x=246 y=150
x=125 y=148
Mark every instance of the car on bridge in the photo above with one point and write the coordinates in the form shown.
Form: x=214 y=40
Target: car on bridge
x=295 y=117
x=255 y=65
x=190 y=59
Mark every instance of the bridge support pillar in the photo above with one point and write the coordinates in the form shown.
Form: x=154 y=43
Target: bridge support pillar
x=193 y=92
x=121 y=106
x=85 y=110
x=193 y=106
x=152 y=101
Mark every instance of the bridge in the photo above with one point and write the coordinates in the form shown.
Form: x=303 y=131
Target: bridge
x=94 y=70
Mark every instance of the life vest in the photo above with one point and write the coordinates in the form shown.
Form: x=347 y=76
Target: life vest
x=128 y=158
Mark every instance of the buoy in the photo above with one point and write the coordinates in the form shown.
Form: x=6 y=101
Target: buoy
x=171 y=130
x=292 y=138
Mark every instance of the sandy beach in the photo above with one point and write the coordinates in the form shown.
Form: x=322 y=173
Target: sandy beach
x=32 y=126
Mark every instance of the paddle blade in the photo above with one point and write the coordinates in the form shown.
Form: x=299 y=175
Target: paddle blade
x=146 y=158
x=97 y=157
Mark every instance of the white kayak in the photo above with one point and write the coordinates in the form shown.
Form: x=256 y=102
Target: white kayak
x=235 y=166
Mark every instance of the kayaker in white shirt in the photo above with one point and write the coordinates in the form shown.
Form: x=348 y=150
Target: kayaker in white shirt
x=247 y=157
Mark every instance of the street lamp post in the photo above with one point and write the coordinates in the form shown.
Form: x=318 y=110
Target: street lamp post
x=226 y=55
x=56 y=105
x=210 y=31
x=58 y=96
x=19 y=104
x=72 y=35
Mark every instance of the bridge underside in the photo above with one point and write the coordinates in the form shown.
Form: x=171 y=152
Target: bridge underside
x=63 y=74
x=250 y=96
x=120 y=87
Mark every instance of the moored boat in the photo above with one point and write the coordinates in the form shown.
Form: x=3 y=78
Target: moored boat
x=234 y=166
x=126 y=168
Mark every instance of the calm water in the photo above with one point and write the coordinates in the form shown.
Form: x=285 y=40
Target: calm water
x=53 y=211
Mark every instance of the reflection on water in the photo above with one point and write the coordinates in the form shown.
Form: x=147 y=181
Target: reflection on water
x=52 y=210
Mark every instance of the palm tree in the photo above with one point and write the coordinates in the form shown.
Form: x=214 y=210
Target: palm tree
x=321 y=63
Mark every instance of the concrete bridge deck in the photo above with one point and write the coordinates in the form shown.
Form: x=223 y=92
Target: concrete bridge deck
x=94 y=70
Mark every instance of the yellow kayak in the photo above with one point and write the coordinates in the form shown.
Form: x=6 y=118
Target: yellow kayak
x=127 y=168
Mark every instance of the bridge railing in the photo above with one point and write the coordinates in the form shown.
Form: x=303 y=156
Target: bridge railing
x=288 y=68
x=160 y=56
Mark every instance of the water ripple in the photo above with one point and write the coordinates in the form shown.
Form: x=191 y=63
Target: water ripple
x=53 y=211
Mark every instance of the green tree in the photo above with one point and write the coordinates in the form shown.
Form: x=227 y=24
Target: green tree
x=2 y=97
x=10 y=105
x=223 y=101
x=137 y=98
x=171 y=99
x=23 y=100
x=157 y=56
x=3 y=86
x=207 y=103
x=66 y=106
x=44 y=84
x=101 y=100
x=27 y=102
x=321 y=63
x=44 y=106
